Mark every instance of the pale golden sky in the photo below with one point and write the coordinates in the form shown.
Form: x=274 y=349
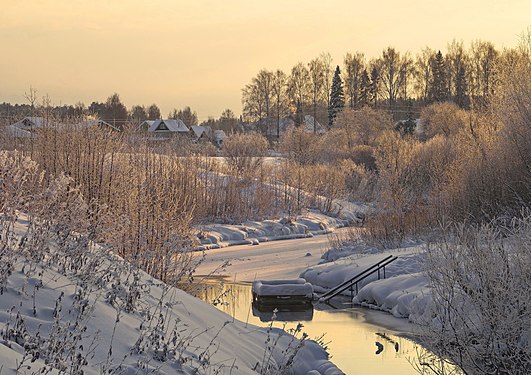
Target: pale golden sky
x=201 y=53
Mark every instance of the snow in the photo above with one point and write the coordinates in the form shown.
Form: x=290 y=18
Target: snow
x=328 y=275
x=297 y=287
x=254 y=232
x=268 y=260
x=67 y=315
x=405 y=292
x=171 y=125
x=404 y=296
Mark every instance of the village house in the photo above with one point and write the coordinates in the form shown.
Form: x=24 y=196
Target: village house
x=272 y=128
x=28 y=126
x=164 y=129
x=200 y=133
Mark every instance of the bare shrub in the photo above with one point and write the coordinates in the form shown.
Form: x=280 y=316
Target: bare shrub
x=360 y=182
x=442 y=118
x=481 y=286
x=300 y=146
x=363 y=126
x=244 y=152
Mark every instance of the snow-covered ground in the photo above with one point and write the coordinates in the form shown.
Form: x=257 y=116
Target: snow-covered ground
x=266 y=261
x=405 y=291
x=253 y=232
x=102 y=315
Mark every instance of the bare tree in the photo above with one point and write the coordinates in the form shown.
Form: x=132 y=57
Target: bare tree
x=390 y=66
x=423 y=73
x=317 y=76
x=245 y=152
x=31 y=97
x=354 y=66
x=280 y=96
x=483 y=70
x=328 y=70
x=299 y=90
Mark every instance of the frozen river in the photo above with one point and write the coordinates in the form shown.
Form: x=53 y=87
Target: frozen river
x=352 y=333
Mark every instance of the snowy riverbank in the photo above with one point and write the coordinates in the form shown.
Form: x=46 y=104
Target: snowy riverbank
x=89 y=310
x=311 y=223
x=405 y=291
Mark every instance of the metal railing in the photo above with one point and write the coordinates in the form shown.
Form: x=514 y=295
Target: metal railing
x=350 y=283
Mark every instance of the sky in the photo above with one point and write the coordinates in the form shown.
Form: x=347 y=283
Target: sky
x=202 y=53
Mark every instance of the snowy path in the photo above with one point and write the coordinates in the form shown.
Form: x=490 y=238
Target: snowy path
x=268 y=260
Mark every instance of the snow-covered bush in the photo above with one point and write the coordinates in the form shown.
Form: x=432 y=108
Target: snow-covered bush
x=481 y=288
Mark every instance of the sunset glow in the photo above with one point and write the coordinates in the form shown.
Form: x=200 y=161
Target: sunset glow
x=201 y=53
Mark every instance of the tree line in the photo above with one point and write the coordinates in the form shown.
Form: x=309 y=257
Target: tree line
x=113 y=110
x=465 y=76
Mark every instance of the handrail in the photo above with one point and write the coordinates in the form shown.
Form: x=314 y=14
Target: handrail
x=355 y=277
x=343 y=286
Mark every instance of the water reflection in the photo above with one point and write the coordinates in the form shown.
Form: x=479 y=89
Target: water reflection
x=356 y=346
x=283 y=313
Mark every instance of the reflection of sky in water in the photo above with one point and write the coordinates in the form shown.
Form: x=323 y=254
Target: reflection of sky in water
x=352 y=341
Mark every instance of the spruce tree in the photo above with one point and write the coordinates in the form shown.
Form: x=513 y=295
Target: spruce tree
x=337 y=98
x=438 y=91
x=461 y=98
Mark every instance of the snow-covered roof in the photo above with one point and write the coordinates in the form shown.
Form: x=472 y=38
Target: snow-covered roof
x=199 y=130
x=176 y=126
x=28 y=123
x=309 y=122
x=94 y=122
x=219 y=135
x=288 y=123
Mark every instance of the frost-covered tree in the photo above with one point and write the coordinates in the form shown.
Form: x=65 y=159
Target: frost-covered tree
x=316 y=69
x=354 y=64
x=299 y=90
x=186 y=115
x=374 y=88
x=280 y=97
x=365 y=88
x=461 y=88
x=114 y=108
x=337 y=98
x=480 y=280
x=138 y=114
x=153 y=112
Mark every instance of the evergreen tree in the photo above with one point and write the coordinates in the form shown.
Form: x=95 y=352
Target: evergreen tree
x=461 y=88
x=375 y=82
x=337 y=98
x=365 y=88
x=438 y=87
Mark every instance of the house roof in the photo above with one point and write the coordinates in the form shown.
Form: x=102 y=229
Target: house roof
x=287 y=123
x=28 y=123
x=199 y=130
x=172 y=126
x=94 y=122
x=219 y=135
x=311 y=125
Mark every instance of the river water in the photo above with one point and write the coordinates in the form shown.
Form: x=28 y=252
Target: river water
x=349 y=331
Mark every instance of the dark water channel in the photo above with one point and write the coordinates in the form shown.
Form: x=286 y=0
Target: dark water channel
x=356 y=339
